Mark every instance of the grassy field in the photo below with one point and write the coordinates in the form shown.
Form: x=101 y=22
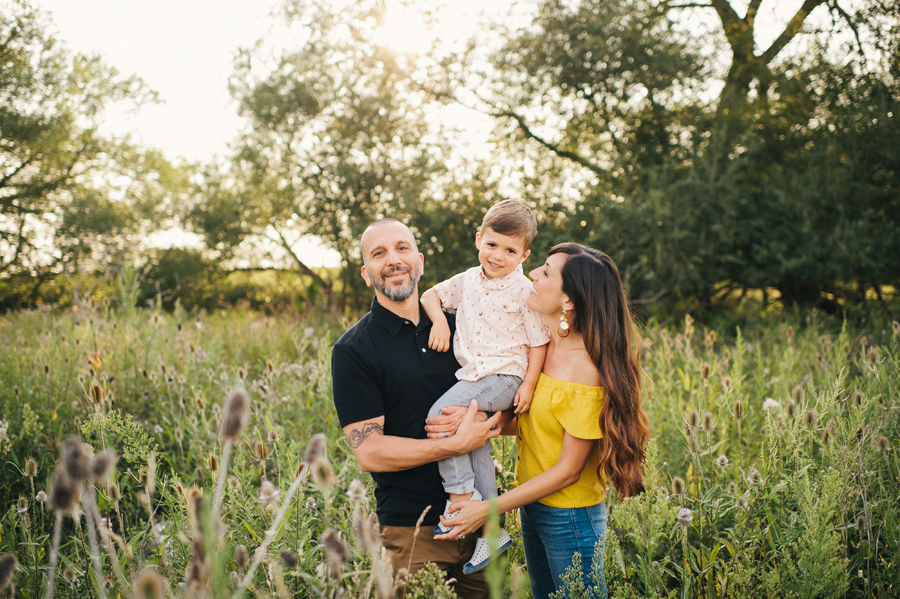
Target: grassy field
x=773 y=469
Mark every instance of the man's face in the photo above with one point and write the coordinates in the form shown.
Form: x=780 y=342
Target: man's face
x=392 y=263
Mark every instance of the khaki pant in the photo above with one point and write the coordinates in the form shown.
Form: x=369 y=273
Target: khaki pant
x=449 y=556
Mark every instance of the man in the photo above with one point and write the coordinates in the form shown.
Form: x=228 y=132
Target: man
x=385 y=380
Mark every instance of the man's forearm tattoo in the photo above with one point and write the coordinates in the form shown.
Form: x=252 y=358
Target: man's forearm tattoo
x=357 y=436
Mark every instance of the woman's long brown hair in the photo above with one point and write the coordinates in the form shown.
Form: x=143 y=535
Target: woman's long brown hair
x=603 y=319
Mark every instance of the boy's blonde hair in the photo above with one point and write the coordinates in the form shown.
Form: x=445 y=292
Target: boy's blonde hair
x=513 y=219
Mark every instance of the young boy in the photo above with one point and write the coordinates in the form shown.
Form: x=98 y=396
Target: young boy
x=500 y=345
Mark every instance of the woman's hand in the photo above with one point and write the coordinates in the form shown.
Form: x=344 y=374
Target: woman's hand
x=471 y=517
x=447 y=424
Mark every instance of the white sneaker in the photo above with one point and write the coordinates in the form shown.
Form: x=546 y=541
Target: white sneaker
x=439 y=528
x=482 y=555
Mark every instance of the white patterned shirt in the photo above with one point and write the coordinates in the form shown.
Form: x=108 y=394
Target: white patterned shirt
x=494 y=327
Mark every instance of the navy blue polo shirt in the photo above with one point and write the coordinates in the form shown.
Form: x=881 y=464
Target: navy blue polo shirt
x=382 y=366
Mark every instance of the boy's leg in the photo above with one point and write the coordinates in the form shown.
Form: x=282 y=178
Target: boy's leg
x=494 y=392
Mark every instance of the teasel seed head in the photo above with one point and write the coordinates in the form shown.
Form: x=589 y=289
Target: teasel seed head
x=64 y=491
x=113 y=492
x=707 y=421
x=31 y=468
x=323 y=475
x=200 y=402
x=289 y=558
x=754 y=477
x=693 y=419
x=826 y=435
x=96 y=394
x=737 y=410
x=16 y=390
x=269 y=366
x=102 y=464
x=366 y=534
x=8 y=565
x=856 y=398
x=163 y=368
x=46 y=369
x=261 y=450
x=810 y=419
x=686 y=429
x=241 y=373
x=315 y=449
x=727 y=383
x=678 y=485
x=705 y=372
x=791 y=409
x=212 y=462
x=240 y=556
x=896 y=326
x=273 y=436
x=882 y=444
x=235 y=415
x=798 y=393
x=337 y=552
x=149 y=585
x=74 y=459
x=872 y=356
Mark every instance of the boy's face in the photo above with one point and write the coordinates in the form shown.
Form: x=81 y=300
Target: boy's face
x=499 y=254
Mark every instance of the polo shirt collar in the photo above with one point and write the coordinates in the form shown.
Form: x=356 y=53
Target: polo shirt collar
x=393 y=323
x=501 y=282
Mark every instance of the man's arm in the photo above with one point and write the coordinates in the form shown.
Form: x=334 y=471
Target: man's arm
x=377 y=452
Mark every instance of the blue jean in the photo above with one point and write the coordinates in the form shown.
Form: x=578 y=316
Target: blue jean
x=475 y=470
x=552 y=536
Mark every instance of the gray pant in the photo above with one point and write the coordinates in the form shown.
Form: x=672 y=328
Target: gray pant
x=464 y=473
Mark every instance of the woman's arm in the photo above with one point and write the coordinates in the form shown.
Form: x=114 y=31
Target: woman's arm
x=567 y=470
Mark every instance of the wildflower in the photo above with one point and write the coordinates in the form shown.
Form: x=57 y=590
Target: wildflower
x=896 y=326
x=727 y=382
x=722 y=460
x=754 y=477
x=235 y=416
x=96 y=394
x=269 y=366
x=267 y=492
x=158 y=429
x=261 y=451
x=498 y=467
x=707 y=421
x=770 y=404
x=861 y=522
x=856 y=398
x=309 y=332
x=685 y=517
x=233 y=482
x=201 y=403
x=678 y=485
x=826 y=434
x=357 y=491
x=149 y=584
x=882 y=444
x=742 y=502
x=310 y=503
x=113 y=492
x=323 y=474
x=41 y=496
x=241 y=373
x=704 y=372
x=289 y=558
x=738 y=410
x=273 y=436
x=797 y=393
x=46 y=369
x=212 y=462
x=30 y=468
x=8 y=565
x=790 y=409
x=694 y=419
x=810 y=419
x=872 y=356
x=69 y=575
x=63 y=491
x=22 y=505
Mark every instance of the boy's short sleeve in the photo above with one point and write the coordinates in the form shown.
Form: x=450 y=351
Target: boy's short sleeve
x=450 y=291
x=535 y=328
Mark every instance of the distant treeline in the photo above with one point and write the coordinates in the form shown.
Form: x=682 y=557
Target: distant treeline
x=712 y=167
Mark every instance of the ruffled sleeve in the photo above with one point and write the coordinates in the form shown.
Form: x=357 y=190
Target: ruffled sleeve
x=578 y=411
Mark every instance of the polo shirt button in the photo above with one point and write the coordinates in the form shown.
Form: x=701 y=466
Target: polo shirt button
x=423 y=350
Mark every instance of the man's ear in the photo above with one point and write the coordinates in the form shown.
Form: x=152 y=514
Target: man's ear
x=421 y=264
x=365 y=276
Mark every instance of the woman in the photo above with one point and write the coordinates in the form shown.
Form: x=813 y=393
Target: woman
x=585 y=427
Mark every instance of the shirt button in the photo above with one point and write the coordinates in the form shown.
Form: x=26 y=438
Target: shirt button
x=423 y=350
x=481 y=314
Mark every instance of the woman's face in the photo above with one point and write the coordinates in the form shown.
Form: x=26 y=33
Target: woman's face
x=548 y=296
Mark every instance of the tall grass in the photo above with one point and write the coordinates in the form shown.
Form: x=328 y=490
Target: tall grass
x=773 y=469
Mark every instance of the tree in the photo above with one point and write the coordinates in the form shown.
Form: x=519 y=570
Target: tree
x=61 y=183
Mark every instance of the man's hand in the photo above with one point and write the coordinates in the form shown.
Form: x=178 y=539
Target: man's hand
x=450 y=419
x=473 y=432
x=439 y=339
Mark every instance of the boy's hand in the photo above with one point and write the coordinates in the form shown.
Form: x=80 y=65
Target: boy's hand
x=439 y=339
x=523 y=398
